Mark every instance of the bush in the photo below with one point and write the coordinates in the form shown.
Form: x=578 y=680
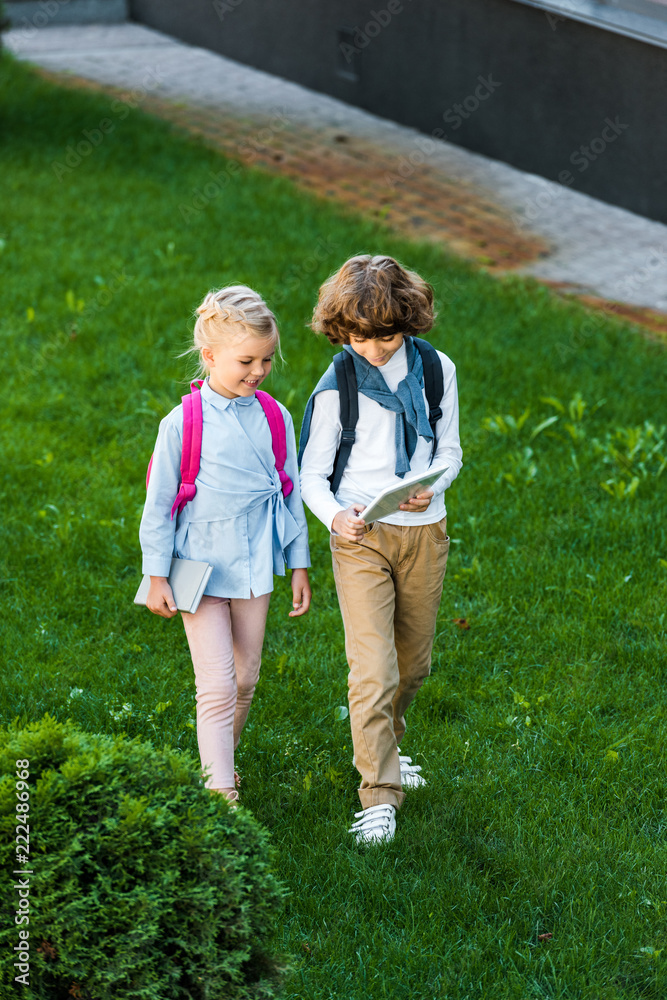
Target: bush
x=145 y=886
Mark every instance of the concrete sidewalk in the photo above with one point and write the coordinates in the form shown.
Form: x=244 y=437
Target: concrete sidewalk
x=423 y=186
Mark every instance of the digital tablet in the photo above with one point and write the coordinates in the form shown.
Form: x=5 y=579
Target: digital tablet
x=389 y=501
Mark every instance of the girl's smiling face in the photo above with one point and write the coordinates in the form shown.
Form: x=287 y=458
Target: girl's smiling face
x=377 y=350
x=239 y=364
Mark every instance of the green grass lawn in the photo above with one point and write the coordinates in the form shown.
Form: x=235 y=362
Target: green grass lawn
x=542 y=729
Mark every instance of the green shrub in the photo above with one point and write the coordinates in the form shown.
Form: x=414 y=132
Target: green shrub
x=145 y=885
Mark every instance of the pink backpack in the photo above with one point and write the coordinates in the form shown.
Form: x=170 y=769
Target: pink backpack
x=191 y=451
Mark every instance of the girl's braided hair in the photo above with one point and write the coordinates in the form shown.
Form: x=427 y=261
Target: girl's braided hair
x=231 y=312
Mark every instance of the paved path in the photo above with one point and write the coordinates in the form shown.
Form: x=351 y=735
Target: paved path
x=483 y=209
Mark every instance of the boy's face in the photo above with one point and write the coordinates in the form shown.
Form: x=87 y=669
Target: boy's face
x=377 y=350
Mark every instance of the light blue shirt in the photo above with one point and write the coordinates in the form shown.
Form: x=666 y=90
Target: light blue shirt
x=239 y=521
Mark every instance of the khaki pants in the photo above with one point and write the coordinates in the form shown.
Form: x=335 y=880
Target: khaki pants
x=389 y=587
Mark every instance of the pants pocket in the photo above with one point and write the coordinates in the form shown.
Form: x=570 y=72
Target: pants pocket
x=438 y=531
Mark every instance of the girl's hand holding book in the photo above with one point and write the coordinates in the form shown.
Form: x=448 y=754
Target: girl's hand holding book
x=160 y=598
x=301 y=592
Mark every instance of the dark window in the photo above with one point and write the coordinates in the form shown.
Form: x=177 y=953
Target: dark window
x=348 y=55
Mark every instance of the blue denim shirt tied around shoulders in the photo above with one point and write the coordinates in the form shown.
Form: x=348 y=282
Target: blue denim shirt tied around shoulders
x=407 y=402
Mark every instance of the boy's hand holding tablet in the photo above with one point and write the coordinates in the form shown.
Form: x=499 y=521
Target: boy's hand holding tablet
x=419 y=503
x=349 y=525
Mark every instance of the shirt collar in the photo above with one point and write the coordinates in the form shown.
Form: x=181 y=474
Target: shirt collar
x=397 y=359
x=222 y=402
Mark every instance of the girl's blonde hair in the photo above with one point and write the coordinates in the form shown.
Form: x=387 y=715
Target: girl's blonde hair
x=223 y=311
x=373 y=297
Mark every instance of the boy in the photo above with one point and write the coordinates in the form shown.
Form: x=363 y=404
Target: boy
x=388 y=573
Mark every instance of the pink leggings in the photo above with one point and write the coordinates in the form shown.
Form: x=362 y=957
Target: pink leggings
x=225 y=638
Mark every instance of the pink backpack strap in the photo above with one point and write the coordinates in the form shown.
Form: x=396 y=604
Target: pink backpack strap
x=276 y=422
x=193 y=423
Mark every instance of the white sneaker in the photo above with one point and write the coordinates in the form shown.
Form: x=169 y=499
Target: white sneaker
x=410 y=776
x=375 y=824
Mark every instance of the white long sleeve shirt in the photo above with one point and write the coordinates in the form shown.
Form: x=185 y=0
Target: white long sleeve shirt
x=370 y=468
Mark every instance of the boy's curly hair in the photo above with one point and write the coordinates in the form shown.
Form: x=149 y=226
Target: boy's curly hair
x=373 y=297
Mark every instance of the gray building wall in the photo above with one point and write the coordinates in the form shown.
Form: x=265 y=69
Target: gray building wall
x=560 y=98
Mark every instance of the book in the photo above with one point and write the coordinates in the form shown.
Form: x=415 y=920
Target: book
x=187 y=579
x=389 y=501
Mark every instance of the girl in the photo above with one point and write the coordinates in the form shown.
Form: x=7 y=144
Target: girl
x=238 y=521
